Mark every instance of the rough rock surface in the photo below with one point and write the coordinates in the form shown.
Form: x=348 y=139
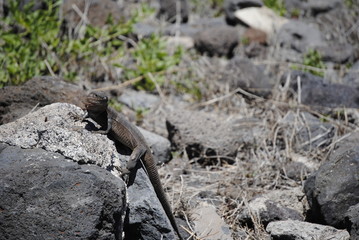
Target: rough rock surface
x=43 y=195
x=338 y=53
x=217 y=41
x=317 y=92
x=55 y=128
x=209 y=224
x=242 y=73
x=207 y=136
x=297 y=230
x=299 y=36
x=334 y=188
x=17 y=101
x=274 y=206
x=352 y=221
x=168 y=10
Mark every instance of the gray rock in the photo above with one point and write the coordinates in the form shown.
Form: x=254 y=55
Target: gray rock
x=352 y=77
x=208 y=223
x=274 y=206
x=338 y=53
x=335 y=186
x=352 y=221
x=217 y=41
x=138 y=99
x=316 y=92
x=55 y=128
x=145 y=215
x=45 y=196
x=231 y=6
x=241 y=72
x=17 y=101
x=299 y=36
x=160 y=146
x=210 y=137
x=168 y=10
x=297 y=230
x=323 y=6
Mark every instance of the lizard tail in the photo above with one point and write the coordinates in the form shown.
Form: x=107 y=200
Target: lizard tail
x=161 y=195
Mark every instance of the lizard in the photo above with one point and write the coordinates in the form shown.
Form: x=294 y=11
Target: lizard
x=123 y=131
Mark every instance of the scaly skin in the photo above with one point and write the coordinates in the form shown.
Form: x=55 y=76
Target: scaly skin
x=126 y=133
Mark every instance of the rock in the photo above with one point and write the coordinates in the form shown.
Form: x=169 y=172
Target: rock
x=17 y=101
x=334 y=188
x=264 y=19
x=44 y=195
x=207 y=223
x=297 y=230
x=210 y=137
x=255 y=36
x=274 y=206
x=352 y=221
x=316 y=92
x=307 y=131
x=219 y=41
x=192 y=28
x=323 y=6
x=299 y=36
x=352 y=76
x=160 y=146
x=169 y=9
x=231 y=6
x=138 y=99
x=295 y=170
x=98 y=12
x=145 y=216
x=242 y=73
x=338 y=53
x=55 y=128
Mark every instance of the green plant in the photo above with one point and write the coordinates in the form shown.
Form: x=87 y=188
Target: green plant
x=32 y=44
x=312 y=63
x=276 y=5
x=152 y=60
x=313 y=59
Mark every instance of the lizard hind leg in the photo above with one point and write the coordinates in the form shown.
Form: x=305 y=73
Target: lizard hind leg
x=136 y=155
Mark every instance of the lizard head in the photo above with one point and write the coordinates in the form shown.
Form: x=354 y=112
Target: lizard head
x=96 y=101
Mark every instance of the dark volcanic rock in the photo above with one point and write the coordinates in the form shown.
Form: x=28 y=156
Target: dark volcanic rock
x=230 y=6
x=352 y=77
x=217 y=41
x=299 y=36
x=241 y=72
x=210 y=137
x=269 y=211
x=352 y=221
x=55 y=128
x=316 y=92
x=334 y=188
x=297 y=230
x=323 y=6
x=168 y=10
x=338 y=53
x=42 y=195
x=16 y=101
